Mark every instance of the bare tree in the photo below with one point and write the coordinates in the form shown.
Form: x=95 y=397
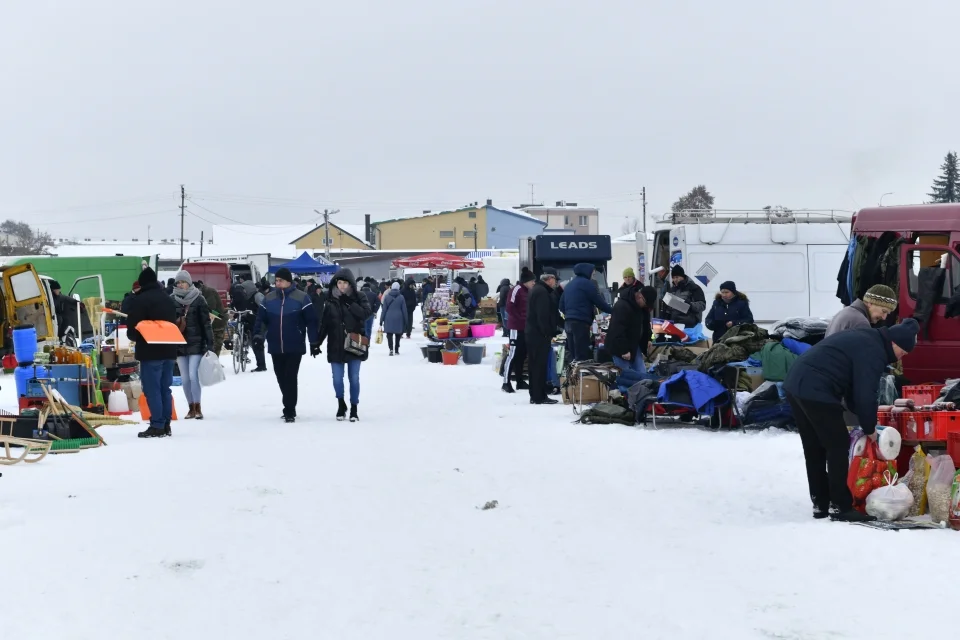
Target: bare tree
x=631 y=226
x=19 y=239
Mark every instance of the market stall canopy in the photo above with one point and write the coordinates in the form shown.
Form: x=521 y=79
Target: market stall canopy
x=437 y=261
x=306 y=264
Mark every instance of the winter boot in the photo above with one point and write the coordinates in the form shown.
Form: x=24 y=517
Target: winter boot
x=391 y=351
x=199 y=414
x=341 y=410
x=289 y=419
x=851 y=516
x=507 y=388
x=192 y=413
x=353 y=414
x=522 y=385
x=166 y=430
x=153 y=432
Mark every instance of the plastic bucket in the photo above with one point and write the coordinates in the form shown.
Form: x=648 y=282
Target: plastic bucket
x=425 y=350
x=451 y=357
x=483 y=330
x=461 y=330
x=472 y=353
x=25 y=343
x=433 y=354
x=443 y=331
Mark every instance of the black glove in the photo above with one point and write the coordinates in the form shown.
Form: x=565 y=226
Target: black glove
x=315 y=349
x=258 y=342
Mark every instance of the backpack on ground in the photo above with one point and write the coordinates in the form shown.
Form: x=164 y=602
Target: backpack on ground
x=608 y=413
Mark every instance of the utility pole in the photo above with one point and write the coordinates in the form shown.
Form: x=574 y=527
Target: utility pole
x=201 y=244
x=532 y=184
x=326 y=230
x=148 y=234
x=474 y=236
x=644 y=195
x=183 y=213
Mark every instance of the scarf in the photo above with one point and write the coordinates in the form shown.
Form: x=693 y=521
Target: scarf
x=186 y=297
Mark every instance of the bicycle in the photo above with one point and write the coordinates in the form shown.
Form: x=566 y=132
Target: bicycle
x=240 y=341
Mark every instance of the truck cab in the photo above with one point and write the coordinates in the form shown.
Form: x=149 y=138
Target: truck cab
x=916 y=250
x=563 y=252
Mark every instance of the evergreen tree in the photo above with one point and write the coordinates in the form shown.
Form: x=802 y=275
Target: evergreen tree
x=698 y=199
x=946 y=188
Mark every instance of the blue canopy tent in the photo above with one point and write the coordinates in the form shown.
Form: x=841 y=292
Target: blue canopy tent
x=307 y=265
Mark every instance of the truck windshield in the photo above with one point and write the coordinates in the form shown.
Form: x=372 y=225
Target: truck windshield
x=566 y=275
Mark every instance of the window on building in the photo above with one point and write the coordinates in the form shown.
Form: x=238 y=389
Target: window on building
x=583 y=221
x=566 y=220
x=447 y=234
x=472 y=214
x=918 y=259
x=469 y=234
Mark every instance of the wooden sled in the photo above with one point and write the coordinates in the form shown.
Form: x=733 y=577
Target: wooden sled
x=31 y=450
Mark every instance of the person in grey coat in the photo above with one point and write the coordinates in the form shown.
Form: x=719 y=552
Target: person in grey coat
x=393 y=317
x=878 y=302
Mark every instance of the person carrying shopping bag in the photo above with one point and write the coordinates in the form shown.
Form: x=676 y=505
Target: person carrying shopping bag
x=343 y=325
x=193 y=319
x=393 y=317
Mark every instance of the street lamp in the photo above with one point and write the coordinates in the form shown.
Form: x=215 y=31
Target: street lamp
x=889 y=193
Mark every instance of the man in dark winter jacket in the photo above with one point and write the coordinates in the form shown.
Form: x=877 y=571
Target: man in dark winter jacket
x=374 y=301
x=156 y=360
x=630 y=334
x=127 y=303
x=286 y=317
x=517 y=325
x=843 y=368
x=409 y=293
x=482 y=288
x=688 y=291
x=581 y=297
x=540 y=329
x=215 y=304
x=730 y=309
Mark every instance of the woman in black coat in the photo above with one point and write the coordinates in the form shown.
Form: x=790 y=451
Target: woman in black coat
x=409 y=293
x=730 y=308
x=629 y=334
x=193 y=318
x=345 y=313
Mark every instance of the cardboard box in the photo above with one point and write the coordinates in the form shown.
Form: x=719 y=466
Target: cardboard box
x=755 y=381
x=126 y=355
x=593 y=391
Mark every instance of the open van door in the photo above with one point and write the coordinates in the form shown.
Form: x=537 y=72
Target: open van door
x=25 y=302
x=640 y=238
x=84 y=288
x=929 y=277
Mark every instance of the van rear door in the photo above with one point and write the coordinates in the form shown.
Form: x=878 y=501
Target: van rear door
x=25 y=300
x=938 y=345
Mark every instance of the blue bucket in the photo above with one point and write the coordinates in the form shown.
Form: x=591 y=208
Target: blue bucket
x=25 y=343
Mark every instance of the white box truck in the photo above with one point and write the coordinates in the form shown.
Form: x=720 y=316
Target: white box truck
x=786 y=262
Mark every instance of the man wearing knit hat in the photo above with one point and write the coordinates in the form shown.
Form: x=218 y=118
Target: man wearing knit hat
x=629 y=277
x=688 y=291
x=841 y=370
x=878 y=302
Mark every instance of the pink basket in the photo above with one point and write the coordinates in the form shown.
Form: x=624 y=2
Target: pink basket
x=483 y=330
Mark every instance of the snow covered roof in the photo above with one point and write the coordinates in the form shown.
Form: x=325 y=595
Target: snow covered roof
x=274 y=239
x=165 y=251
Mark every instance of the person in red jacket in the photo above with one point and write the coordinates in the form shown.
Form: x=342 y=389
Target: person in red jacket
x=516 y=323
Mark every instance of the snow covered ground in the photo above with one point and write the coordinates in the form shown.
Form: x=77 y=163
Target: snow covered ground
x=242 y=527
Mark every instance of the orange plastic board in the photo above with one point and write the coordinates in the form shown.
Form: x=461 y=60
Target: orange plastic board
x=160 y=332
x=145 y=410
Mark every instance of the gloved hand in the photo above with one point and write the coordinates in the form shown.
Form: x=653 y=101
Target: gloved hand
x=315 y=349
x=257 y=342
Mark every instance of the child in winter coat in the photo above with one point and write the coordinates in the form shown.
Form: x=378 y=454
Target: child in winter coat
x=730 y=308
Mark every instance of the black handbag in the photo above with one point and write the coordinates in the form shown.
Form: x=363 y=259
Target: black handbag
x=356 y=344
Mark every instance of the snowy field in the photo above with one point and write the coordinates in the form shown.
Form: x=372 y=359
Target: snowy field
x=242 y=527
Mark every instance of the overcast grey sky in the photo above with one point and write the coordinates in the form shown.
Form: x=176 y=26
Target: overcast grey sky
x=268 y=110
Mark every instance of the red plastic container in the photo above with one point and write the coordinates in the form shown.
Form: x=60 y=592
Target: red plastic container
x=888 y=419
x=461 y=330
x=945 y=423
x=450 y=357
x=923 y=393
x=953 y=447
x=925 y=426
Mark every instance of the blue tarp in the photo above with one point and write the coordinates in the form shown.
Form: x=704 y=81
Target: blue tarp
x=703 y=392
x=305 y=264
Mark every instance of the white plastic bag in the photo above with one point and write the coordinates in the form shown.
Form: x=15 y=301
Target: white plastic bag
x=890 y=502
x=939 y=485
x=211 y=371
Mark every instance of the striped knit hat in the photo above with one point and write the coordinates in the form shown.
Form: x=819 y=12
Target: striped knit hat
x=882 y=296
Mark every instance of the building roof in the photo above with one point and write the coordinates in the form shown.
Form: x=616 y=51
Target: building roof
x=355 y=231
x=275 y=239
x=508 y=210
x=163 y=250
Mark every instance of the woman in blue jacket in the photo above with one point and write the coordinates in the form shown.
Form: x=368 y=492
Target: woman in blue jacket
x=393 y=318
x=730 y=308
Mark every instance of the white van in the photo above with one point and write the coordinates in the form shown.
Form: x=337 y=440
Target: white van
x=786 y=262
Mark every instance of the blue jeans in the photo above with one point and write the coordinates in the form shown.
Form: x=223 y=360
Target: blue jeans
x=353 y=372
x=156 y=376
x=635 y=363
x=552 y=378
x=369 y=324
x=503 y=319
x=190 y=375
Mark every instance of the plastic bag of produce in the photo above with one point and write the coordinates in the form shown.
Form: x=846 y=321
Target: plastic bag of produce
x=210 y=371
x=939 y=486
x=890 y=502
x=867 y=472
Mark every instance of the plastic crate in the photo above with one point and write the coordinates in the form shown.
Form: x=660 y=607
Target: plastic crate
x=922 y=393
x=953 y=447
x=888 y=419
x=945 y=423
x=926 y=428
